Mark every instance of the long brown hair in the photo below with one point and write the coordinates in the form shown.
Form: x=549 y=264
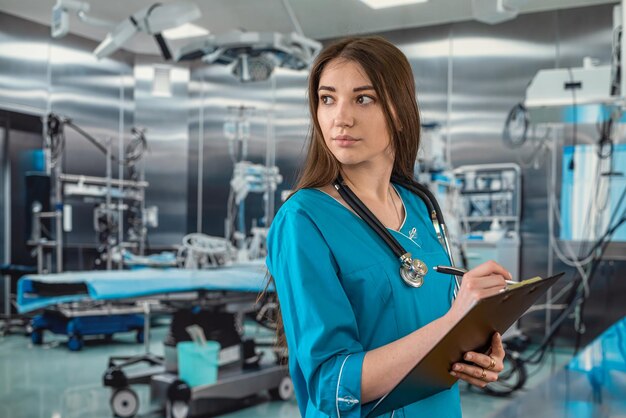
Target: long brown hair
x=392 y=78
x=390 y=73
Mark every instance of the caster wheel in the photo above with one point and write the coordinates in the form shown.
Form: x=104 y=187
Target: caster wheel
x=177 y=409
x=75 y=343
x=284 y=391
x=124 y=403
x=139 y=336
x=36 y=337
x=178 y=398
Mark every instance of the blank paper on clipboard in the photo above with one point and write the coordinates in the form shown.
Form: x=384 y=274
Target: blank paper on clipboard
x=472 y=333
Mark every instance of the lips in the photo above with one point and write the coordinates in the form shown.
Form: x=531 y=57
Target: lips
x=344 y=141
x=344 y=138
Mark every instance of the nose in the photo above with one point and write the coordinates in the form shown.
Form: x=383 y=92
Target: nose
x=343 y=116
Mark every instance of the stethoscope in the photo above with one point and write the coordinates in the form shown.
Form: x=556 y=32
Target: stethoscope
x=412 y=270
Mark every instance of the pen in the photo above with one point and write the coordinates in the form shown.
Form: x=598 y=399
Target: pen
x=456 y=271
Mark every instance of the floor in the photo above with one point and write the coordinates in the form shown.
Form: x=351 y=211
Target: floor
x=49 y=381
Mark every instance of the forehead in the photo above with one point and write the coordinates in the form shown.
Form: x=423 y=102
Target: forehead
x=342 y=72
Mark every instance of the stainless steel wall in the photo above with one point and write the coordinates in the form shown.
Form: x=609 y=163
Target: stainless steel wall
x=98 y=96
x=215 y=95
x=4 y=243
x=39 y=74
x=24 y=56
x=488 y=70
x=166 y=121
x=468 y=76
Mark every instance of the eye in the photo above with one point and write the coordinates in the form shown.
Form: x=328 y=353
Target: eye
x=365 y=99
x=327 y=100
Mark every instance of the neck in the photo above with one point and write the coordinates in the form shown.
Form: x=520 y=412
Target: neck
x=369 y=182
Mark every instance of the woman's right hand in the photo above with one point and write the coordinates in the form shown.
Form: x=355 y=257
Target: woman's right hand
x=480 y=282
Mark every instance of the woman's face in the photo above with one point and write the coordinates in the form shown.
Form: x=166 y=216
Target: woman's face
x=350 y=115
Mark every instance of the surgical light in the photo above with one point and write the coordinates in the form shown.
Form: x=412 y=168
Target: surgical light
x=152 y=20
x=188 y=30
x=382 y=4
x=258 y=68
x=253 y=55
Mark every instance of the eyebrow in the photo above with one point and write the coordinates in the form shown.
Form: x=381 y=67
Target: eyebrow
x=356 y=89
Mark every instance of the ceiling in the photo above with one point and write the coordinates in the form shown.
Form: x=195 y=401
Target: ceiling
x=319 y=19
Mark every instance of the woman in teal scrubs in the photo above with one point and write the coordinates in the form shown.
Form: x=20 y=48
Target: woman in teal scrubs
x=352 y=326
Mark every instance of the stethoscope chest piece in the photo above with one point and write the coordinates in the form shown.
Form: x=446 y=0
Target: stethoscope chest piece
x=413 y=271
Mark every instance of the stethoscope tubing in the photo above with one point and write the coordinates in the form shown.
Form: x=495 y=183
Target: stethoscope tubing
x=424 y=194
x=364 y=213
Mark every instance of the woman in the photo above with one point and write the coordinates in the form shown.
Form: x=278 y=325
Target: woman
x=352 y=326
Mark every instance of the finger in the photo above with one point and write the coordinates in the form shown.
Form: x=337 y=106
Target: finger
x=485 y=361
x=492 y=281
x=475 y=381
x=485 y=293
x=474 y=371
x=488 y=268
x=497 y=349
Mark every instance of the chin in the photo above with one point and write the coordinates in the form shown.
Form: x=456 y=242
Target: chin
x=347 y=159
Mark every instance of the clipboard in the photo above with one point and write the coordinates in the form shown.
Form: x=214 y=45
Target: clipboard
x=472 y=333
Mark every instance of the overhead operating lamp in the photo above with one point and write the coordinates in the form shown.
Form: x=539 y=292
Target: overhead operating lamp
x=152 y=20
x=382 y=4
x=254 y=55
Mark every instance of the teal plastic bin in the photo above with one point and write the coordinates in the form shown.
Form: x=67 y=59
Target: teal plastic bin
x=197 y=365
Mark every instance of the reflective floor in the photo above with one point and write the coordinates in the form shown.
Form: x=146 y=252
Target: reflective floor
x=592 y=385
x=50 y=381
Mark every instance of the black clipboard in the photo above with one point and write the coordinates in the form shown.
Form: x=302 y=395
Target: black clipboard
x=472 y=333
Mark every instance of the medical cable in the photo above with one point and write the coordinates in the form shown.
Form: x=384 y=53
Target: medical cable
x=575 y=294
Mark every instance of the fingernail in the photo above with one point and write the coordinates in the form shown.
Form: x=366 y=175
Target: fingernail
x=468 y=357
x=457 y=367
x=510 y=276
x=452 y=374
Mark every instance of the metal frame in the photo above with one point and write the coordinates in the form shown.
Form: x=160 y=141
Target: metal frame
x=515 y=219
x=6 y=167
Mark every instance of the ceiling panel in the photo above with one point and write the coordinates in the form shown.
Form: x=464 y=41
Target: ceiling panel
x=319 y=19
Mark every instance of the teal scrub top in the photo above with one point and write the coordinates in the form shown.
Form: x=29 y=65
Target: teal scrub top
x=341 y=295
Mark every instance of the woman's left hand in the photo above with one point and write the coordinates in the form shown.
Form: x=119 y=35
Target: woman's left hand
x=485 y=367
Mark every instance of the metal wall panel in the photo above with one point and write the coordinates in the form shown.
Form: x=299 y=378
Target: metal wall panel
x=588 y=32
x=428 y=52
x=491 y=67
x=39 y=74
x=467 y=74
x=24 y=55
x=97 y=96
x=4 y=198
x=279 y=102
x=166 y=121
x=4 y=219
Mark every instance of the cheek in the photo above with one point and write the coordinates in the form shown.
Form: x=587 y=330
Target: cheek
x=324 y=122
x=380 y=127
